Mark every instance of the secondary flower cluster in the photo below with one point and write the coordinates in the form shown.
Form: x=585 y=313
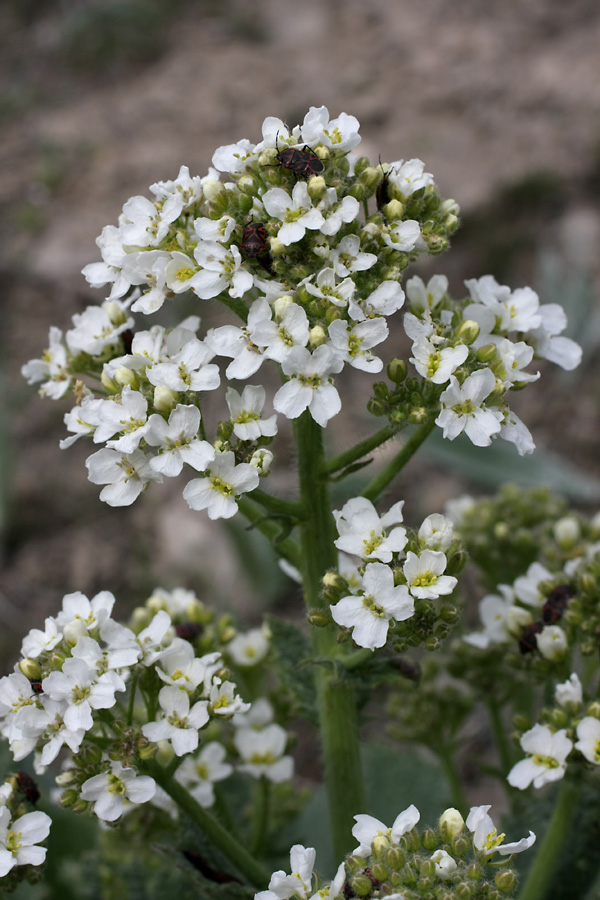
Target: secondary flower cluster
x=394 y=576
x=114 y=694
x=21 y=831
x=548 y=746
x=400 y=863
x=478 y=351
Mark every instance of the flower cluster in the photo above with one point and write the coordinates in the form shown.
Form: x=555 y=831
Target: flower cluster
x=160 y=682
x=470 y=355
x=21 y=831
x=389 y=861
x=394 y=574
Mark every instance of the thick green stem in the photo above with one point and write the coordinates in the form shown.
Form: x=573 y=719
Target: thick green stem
x=271 y=528
x=500 y=734
x=336 y=697
x=395 y=465
x=548 y=854
x=336 y=463
x=235 y=852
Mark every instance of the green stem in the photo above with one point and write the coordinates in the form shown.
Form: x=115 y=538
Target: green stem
x=335 y=696
x=260 y=815
x=456 y=790
x=287 y=547
x=500 y=735
x=291 y=508
x=359 y=450
x=235 y=852
x=235 y=304
x=548 y=855
x=395 y=465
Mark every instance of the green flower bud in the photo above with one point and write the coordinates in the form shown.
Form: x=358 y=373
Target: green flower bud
x=594 y=709
x=418 y=416
x=224 y=430
x=506 y=881
x=355 y=864
x=430 y=841
x=393 y=210
x=474 y=872
x=376 y=407
x=358 y=191
x=165 y=399
x=361 y=885
x=589 y=586
x=395 y=858
x=108 y=384
x=380 y=872
x=468 y=331
x=31 y=669
x=369 y=176
x=398 y=415
x=316 y=187
x=69 y=798
x=320 y=618
x=317 y=336
x=460 y=846
x=487 y=353
x=427 y=869
x=463 y=891
x=397 y=370
x=380 y=844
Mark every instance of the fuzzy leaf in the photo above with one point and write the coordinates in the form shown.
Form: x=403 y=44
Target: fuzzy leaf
x=292 y=653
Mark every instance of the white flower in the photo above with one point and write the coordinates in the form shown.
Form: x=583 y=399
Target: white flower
x=408 y=176
x=547 y=762
x=423 y=296
x=402 y=235
x=95 y=330
x=47 y=724
x=434 y=364
x=51 y=368
x=246 y=411
x=179 y=724
x=125 y=474
x=181 y=668
x=250 y=648
x=462 y=409
x=239 y=343
x=552 y=642
x=353 y=342
x=144 y=224
x=445 y=865
x=435 y=532
x=338 y=134
x=368 y=829
x=188 y=369
x=125 y=415
x=81 y=615
x=234 y=158
x=298 y=883
x=199 y=773
x=363 y=533
x=328 y=288
x=82 y=420
x=296 y=212
x=369 y=613
x=222 y=484
x=223 y=701
x=546 y=343
x=278 y=336
x=569 y=693
x=515 y=431
x=424 y=576
x=112 y=791
x=334 y=889
x=178 y=441
x=37 y=641
x=486 y=837
x=18 y=839
x=79 y=686
x=262 y=752
x=309 y=386
x=221 y=268
x=588 y=732
x=527 y=588
x=494 y=611
x=337 y=213
x=176 y=195
x=386 y=299
x=347 y=257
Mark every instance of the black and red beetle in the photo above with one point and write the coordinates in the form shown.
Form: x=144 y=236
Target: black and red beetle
x=36 y=687
x=556 y=603
x=255 y=245
x=382 y=194
x=528 y=640
x=188 y=631
x=300 y=161
x=28 y=786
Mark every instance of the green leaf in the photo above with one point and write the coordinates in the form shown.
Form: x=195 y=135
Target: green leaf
x=293 y=653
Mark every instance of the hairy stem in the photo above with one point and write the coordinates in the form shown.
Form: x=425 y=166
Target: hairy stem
x=235 y=852
x=336 y=463
x=335 y=695
x=376 y=487
x=271 y=527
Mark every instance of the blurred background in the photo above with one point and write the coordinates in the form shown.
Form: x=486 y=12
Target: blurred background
x=101 y=98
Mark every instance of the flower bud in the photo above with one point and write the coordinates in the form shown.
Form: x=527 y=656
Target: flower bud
x=317 y=336
x=316 y=187
x=31 y=669
x=355 y=864
x=521 y=723
x=487 y=353
x=395 y=858
x=468 y=331
x=380 y=844
x=148 y=751
x=69 y=798
x=246 y=184
x=594 y=709
x=450 y=823
x=369 y=175
x=361 y=885
x=125 y=377
x=262 y=459
x=474 y=872
x=429 y=840
x=320 y=618
x=517 y=618
x=393 y=210
x=506 y=881
x=397 y=370
x=461 y=846
x=380 y=872
x=463 y=891
x=358 y=191
x=418 y=416
x=212 y=188
x=457 y=560
x=73 y=631
x=376 y=407
x=567 y=532
x=165 y=399
x=111 y=386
